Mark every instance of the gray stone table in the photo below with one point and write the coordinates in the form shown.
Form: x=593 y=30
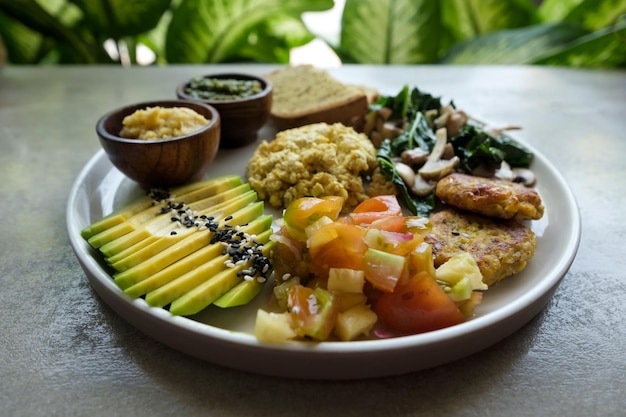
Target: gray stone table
x=64 y=352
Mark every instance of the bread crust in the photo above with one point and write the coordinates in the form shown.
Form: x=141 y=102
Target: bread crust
x=494 y=198
x=305 y=95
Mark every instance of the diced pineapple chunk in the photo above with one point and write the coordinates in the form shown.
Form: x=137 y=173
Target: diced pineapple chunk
x=348 y=300
x=421 y=259
x=458 y=267
x=273 y=327
x=346 y=280
x=355 y=322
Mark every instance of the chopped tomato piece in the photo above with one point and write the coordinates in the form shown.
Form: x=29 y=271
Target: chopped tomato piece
x=417 y=305
x=307 y=210
x=313 y=311
x=383 y=270
x=390 y=224
x=336 y=245
x=392 y=242
x=376 y=208
x=287 y=258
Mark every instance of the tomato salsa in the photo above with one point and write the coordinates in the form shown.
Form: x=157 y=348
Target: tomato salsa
x=367 y=274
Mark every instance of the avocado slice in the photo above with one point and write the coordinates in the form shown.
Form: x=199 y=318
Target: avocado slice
x=184 y=247
x=219 y=212
x=192 y=261
x=242 y=293
x=193 y=300
x=129 y=219
x=162 y=224
x=141 y=203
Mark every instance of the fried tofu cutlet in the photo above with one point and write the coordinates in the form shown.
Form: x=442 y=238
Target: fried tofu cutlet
x=493 y=198
x=500 y=247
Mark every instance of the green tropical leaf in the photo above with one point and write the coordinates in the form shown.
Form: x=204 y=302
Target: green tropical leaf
x=215 y=30
x=273 y=39
x=33 y=16
x=516 y=46
x=390 y=31
x=601 y=49
x=119 y=18
x=556 y=10
x=21 y=43
x=592 y=14
x=470 y=18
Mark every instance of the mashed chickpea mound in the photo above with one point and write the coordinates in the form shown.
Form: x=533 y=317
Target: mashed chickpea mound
x=314 y=161
x=161 y=123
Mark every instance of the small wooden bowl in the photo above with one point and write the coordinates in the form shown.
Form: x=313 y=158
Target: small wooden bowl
x=161 y=162
x=241 y=118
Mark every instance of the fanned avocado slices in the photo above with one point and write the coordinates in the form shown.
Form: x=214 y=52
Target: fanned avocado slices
x=126 y=220
x=189 y=247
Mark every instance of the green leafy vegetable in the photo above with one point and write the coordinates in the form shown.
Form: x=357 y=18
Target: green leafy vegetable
x=417 y=135
x=474 y=146
x=416 y=205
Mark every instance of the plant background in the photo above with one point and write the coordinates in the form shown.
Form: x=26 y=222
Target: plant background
x=580 y=33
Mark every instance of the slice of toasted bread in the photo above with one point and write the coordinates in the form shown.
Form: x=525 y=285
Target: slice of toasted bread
x=304 y=95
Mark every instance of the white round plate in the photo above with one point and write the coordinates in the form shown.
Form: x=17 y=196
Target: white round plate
x=224 y=336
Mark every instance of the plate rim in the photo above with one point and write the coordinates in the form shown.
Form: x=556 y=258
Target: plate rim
x=520 y=311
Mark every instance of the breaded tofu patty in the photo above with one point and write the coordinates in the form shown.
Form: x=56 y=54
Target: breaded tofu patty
x=315 y=160
x=501 y=248
x=493 y=198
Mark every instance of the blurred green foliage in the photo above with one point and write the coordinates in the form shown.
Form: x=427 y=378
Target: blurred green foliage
x=583 y=33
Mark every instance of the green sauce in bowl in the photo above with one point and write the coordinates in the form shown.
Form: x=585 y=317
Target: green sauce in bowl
x=206 y=88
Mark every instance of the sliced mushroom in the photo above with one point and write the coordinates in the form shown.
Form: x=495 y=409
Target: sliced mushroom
x=422 y=187
x=524 y=176
x=436 y=170
x=391 y=130
x=370 y=122
x=435 y=167
x=417 y=185
x=406 y=173
x=441 y=138
x=504 y=172
x=416 y=156
x=385 y=113
x=457 y=119
x=430 y=116
x=442 y=120
x=448 y=151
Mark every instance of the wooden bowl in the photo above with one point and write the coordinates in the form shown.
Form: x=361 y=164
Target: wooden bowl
x=242 y=117
x=161 y=162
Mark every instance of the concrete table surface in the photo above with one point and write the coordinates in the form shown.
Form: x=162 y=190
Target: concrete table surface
x=64 y=352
